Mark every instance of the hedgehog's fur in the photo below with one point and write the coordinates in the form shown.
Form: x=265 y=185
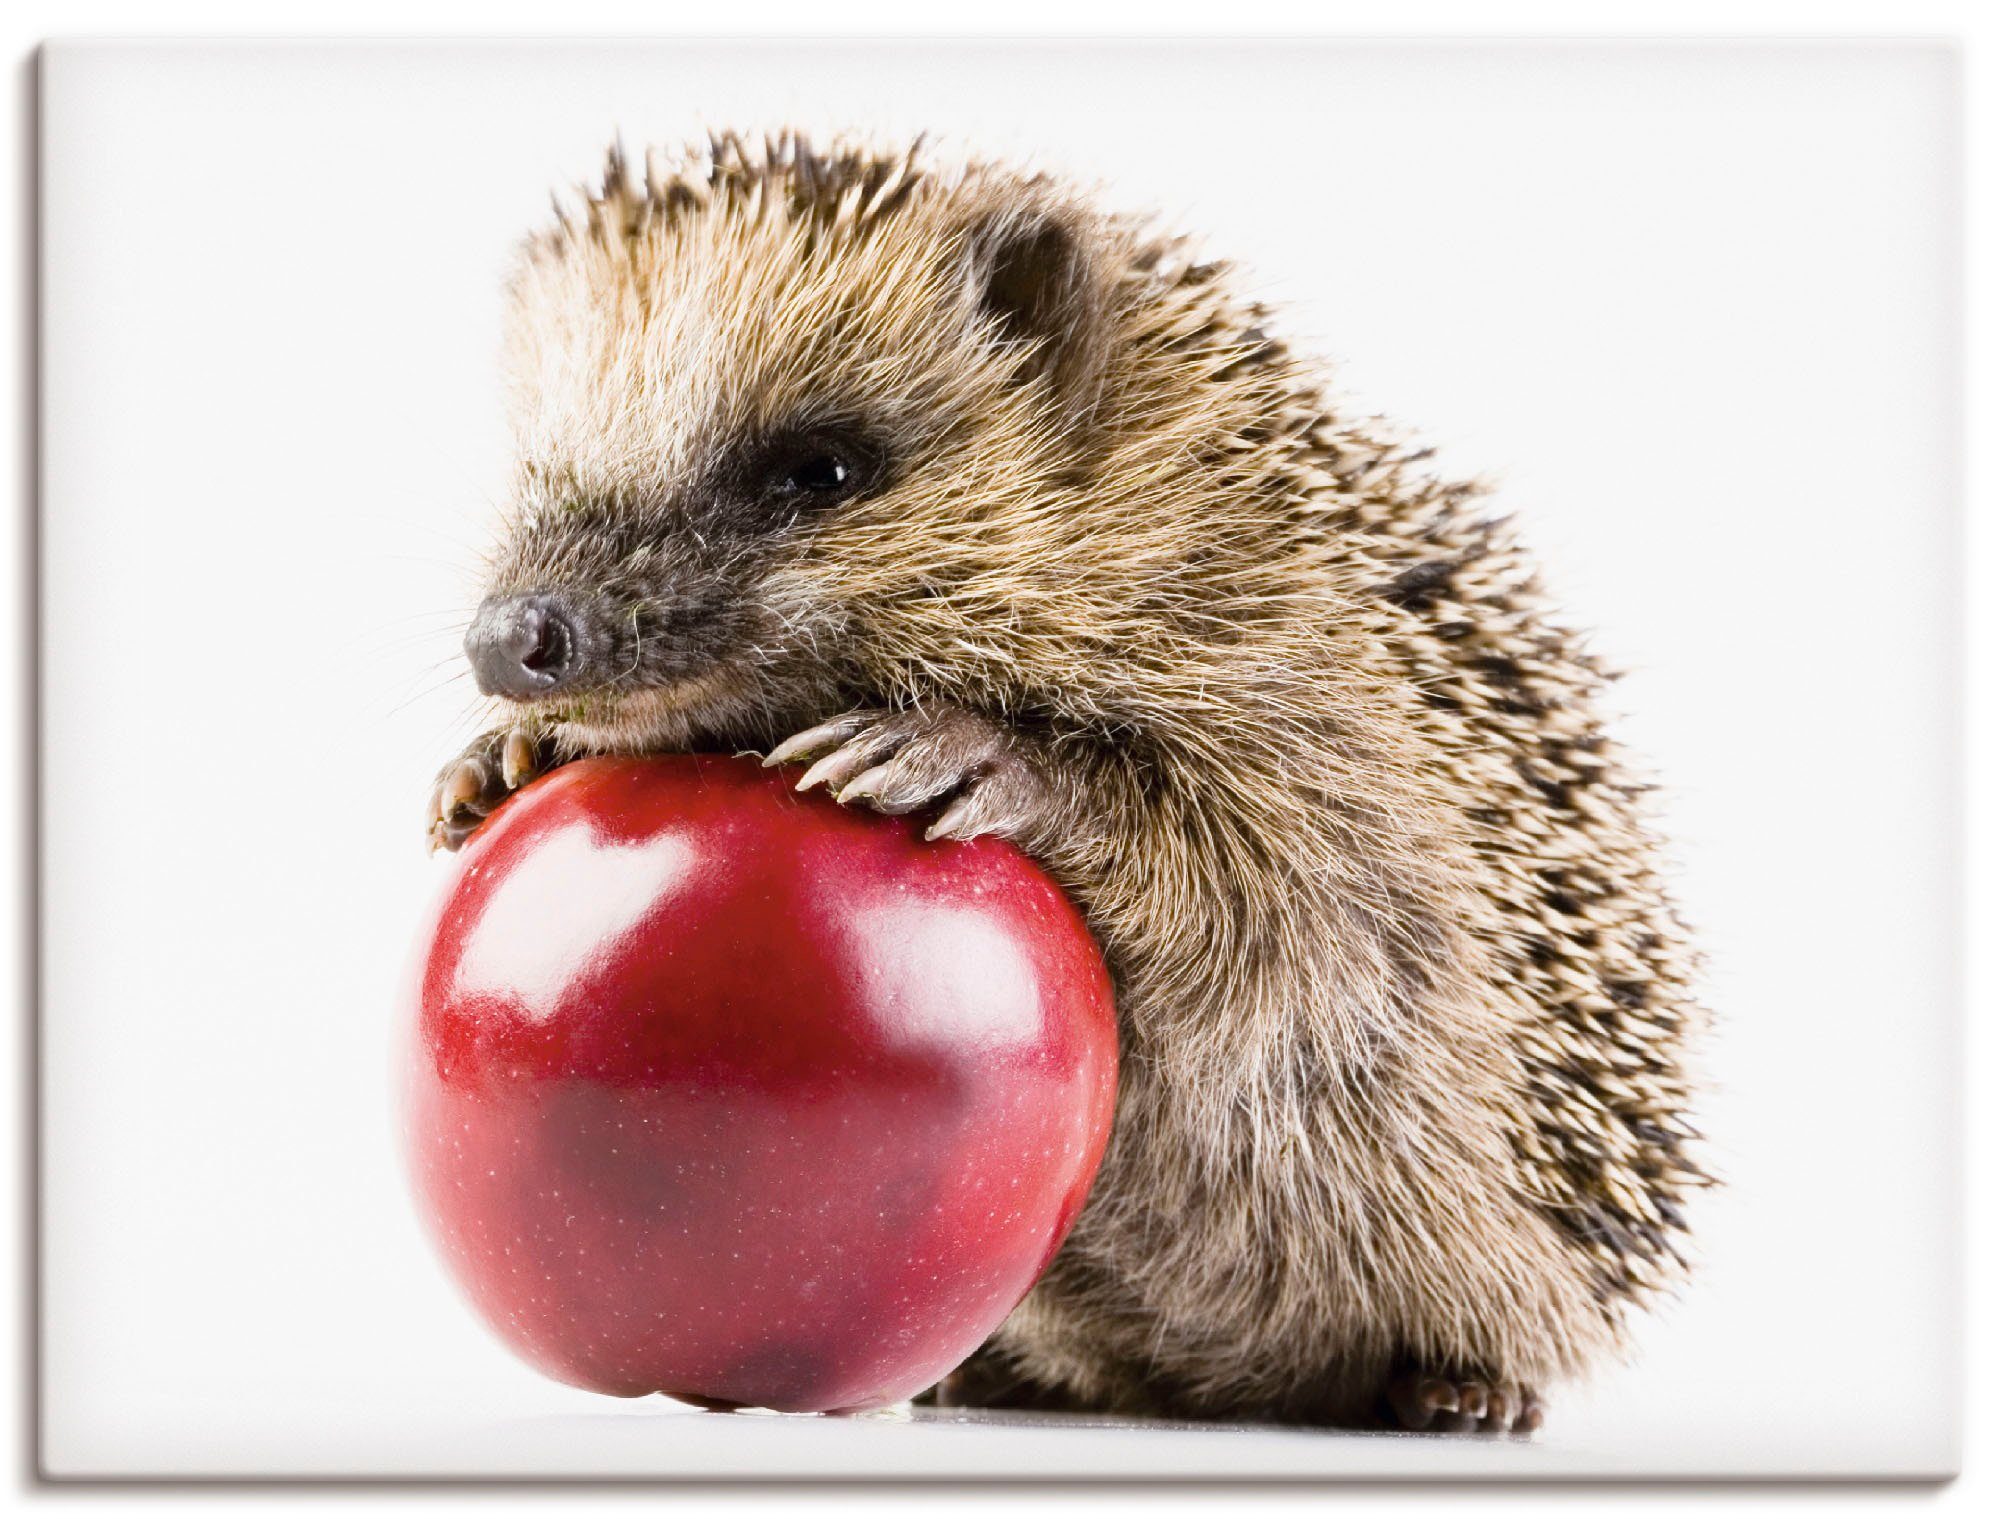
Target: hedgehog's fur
x=1404 y=1010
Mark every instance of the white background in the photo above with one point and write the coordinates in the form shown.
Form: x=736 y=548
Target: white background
x=1696 y=309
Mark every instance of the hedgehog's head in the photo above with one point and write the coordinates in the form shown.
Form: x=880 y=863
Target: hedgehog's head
x=795 y=428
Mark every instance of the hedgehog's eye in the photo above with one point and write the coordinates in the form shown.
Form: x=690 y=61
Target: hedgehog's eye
x=814 y=468
x=818 y=474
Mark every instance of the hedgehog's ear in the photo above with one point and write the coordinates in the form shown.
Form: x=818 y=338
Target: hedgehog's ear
x=1037 y=287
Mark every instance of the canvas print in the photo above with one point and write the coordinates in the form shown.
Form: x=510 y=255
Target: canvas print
x=1009 y=855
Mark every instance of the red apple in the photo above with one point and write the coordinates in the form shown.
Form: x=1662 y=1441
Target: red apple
x=746 y=1097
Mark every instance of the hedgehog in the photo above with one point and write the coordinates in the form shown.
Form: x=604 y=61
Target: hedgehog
x=984 y=503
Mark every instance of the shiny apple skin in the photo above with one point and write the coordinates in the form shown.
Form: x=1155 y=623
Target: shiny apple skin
x=746 y=1097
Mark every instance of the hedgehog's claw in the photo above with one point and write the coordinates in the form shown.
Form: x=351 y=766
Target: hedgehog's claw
x=519 y=763
x=844 y=764
x=463 y=784
x=1528 y=1418
x=1005 y=800
x=815 y=740
x=1417 y=1401
x=961 y=820
x=880 y=788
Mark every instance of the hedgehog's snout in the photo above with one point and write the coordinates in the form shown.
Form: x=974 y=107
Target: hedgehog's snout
x=524 y=647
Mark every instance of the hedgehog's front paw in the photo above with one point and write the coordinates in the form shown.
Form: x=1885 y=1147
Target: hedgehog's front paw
x=982 y=777
x=1442 y=1403
x=494 y=766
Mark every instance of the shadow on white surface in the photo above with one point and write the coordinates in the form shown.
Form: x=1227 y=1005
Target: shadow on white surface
x=660 y=1439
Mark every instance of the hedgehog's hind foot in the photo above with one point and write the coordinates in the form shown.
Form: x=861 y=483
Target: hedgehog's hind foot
x=1438 y=1402
x=986 y=1380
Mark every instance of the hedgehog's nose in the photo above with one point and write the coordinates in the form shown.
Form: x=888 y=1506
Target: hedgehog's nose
x=522 y=646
